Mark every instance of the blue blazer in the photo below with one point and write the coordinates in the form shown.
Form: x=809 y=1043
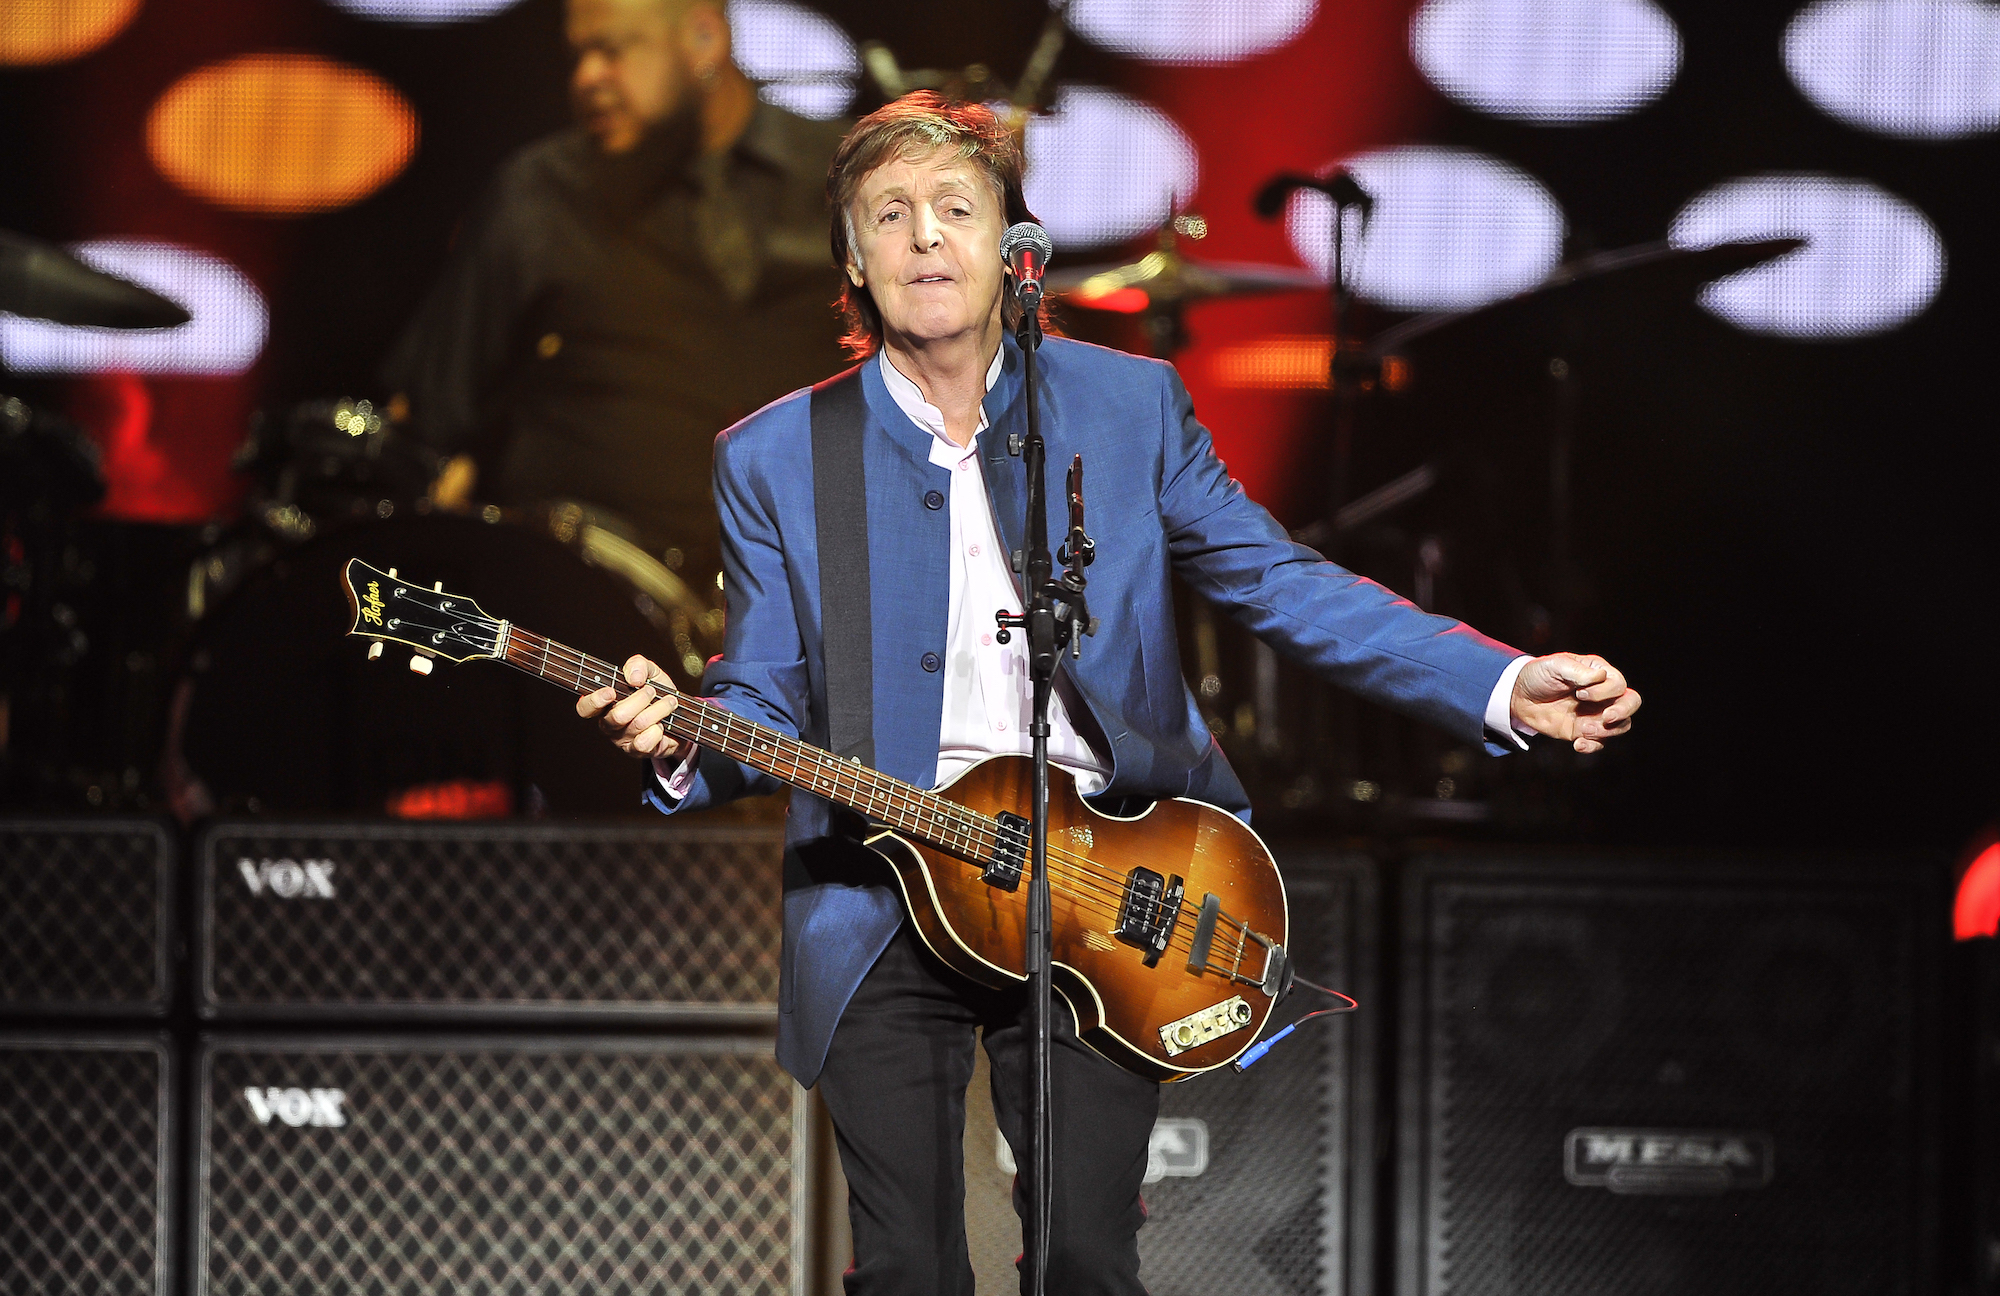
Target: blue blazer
x=1160 y=503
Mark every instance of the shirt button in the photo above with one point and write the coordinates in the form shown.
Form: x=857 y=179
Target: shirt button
x=930 y=662
x=974 y=551
x=933 y=499
x=1001 y=725
x=964 y=464
x=986 y=639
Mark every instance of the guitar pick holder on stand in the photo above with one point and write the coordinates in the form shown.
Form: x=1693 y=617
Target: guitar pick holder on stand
x=1053 y=614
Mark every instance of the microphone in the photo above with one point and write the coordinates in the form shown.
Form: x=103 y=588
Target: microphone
x=1026 y=249
x=1341 y=186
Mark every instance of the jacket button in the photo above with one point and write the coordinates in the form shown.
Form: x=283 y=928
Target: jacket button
x=931 y=662
x=933 y=500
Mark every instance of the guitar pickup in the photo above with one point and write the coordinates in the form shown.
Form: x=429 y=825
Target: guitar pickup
x=1010 y=853
x=1149 y=912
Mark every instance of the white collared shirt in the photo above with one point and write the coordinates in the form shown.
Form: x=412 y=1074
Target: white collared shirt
x=988 y=696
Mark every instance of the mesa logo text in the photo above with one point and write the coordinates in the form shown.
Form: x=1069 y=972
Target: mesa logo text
x=288 y=879
x=296 y=1107
x=1668 y=1161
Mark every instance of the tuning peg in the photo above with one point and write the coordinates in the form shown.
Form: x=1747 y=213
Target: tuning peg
x=392 y=572
x=375 y=651
x=420 y=664
x=438 y=588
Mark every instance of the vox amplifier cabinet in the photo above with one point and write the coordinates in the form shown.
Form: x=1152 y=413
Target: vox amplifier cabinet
x=1669 y=1076
x=86 y=906
x=376 y=921
x=1263 y=1183
x=409 y=1166
x=85 y=1150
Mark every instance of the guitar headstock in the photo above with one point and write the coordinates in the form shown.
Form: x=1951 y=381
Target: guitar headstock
x=388 y=608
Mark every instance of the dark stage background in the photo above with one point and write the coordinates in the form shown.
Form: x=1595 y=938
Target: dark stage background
x=1787 y=544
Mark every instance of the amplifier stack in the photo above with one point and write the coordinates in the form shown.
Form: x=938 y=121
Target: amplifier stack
x=415 y=1059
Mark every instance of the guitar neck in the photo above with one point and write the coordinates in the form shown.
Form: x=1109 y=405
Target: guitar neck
x=882 y=798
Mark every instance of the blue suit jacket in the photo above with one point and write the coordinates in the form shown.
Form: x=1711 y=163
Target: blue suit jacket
x=1160 y=502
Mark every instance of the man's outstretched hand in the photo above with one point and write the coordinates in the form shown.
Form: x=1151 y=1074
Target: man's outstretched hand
x=1580 y=699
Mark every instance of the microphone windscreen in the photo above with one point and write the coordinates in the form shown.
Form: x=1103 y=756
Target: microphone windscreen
x=1026 y=234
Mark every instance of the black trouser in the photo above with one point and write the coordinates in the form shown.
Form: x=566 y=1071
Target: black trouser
x=895 y=1082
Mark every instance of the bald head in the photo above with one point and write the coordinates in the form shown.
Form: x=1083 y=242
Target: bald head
x=641 y=61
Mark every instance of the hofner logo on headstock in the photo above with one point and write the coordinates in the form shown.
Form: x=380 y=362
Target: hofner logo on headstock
x=371 y=607
x=1666 y=1161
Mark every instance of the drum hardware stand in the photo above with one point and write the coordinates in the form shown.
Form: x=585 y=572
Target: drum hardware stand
x=1053 y=614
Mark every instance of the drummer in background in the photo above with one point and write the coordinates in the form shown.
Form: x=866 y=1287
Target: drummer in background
x=629 y=287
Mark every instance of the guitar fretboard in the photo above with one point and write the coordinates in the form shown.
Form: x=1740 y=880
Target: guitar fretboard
x=906 y=808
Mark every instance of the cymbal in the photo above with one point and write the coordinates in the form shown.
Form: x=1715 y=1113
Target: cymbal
x=1165 y=279
x=1655 y=271
x=42 y=281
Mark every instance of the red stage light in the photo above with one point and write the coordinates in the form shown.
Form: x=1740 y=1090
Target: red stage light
x=1977 y=911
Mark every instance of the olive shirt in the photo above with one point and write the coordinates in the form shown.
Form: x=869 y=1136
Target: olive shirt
x=596 y=323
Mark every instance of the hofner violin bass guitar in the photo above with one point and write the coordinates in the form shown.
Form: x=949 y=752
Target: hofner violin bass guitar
x=1170 y=926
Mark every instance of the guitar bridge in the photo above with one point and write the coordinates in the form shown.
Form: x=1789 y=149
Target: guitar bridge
x=1010 y=853
x=1149 y=912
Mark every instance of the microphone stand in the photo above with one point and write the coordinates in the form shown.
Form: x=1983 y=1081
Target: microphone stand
x=1053 y=612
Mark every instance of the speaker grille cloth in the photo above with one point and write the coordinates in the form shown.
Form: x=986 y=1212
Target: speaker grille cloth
x=80 y=914
x=1257 y=1221
x=79 y=1170
x=634 y=918
x=596 y=1173
x=1786 y=1011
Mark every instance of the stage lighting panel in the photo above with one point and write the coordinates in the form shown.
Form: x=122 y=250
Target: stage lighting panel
x=224 y=337
x=802 y=60
x=34 y=32
x=1909 y=69
x=1548 y=62
x=1452 y=229
x=424 y=13
x=281 y=134
x=1872 y=263
x=1190 y=32
x=1103 y=167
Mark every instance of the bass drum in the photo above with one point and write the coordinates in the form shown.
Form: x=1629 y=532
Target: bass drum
x=278 y=711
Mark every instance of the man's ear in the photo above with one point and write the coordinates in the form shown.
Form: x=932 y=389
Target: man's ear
x=705 y=38
x=854 y=272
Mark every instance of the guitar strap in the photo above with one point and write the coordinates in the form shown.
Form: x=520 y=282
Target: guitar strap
x=840 y=504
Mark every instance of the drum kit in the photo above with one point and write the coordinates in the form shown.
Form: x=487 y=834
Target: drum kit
x=256 y=649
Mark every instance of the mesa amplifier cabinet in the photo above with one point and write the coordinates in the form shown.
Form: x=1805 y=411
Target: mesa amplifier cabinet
x=1668 y=1076
x=1263 y=1183
x=86 y=1192
x=433 y=1167
x=85 y=910
x=375 y=921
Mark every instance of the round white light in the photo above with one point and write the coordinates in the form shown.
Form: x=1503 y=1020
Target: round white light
x=1190 y=31
x=1548 y=61
x=423 y=13
x=1451 y=229
x=804 y=60
x=1872 y=261
x=224 y=337
x=1914 y=69
x=1102 y=167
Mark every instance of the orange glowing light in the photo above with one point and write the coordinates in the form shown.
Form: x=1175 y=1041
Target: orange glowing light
x=1125 y=301
x=1285 y=362
x=49 y=31
x=281 y=133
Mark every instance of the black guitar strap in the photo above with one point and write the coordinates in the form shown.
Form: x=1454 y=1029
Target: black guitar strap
x=840 y=502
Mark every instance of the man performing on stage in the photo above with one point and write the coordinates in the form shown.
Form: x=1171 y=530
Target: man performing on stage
x=629 y=286
x=920 y=193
